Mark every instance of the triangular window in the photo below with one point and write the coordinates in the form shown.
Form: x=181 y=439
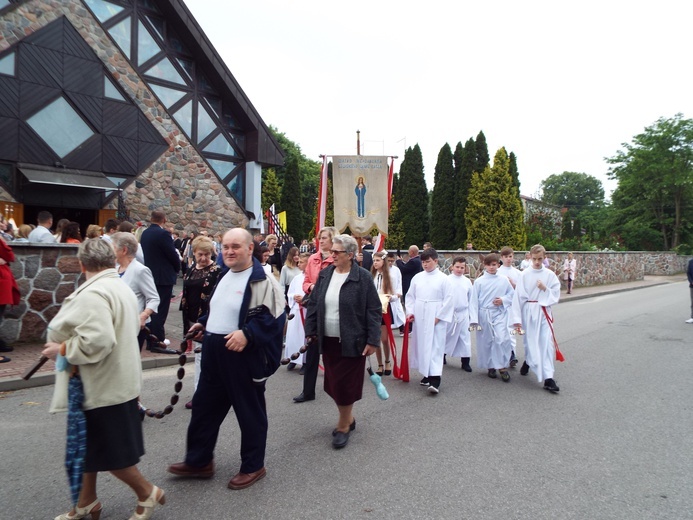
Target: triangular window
x=183 y=117
x=221 y=146
x=165 y=70
x=205 y=123
x=103 y=10
x=7 y=64
x=147 y=47
x=168 y=96
x=122 y=34
x=110 y=91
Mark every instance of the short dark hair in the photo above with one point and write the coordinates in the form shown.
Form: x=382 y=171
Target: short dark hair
x=391 y=254
x=158 y=216
x=459 y=259
x=110 y=225
x=44 y=216
x=429 y=254
x=507 y=250
x=126 y=227
x=491 y=257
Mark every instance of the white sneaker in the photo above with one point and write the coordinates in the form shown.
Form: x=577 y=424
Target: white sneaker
x=433 y=389
x=689 y=320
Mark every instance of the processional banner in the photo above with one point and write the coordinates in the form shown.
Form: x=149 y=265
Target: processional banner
x=360 y=184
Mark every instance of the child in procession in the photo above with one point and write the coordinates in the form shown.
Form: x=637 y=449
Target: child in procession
x=491 y=298
x=537 y=290
x=459 y=340
x=513 y=274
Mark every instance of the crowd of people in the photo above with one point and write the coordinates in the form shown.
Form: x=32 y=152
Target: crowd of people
x=250 y=301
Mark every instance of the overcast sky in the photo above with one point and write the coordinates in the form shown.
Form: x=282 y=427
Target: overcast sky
x=561 y=84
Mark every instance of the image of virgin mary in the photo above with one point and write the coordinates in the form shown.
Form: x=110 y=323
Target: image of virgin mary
x=360 y=198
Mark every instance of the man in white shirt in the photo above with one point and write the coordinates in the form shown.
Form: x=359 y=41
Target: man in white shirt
x=42 y=234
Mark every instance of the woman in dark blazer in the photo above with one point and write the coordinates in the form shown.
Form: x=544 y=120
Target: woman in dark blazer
x=344 y=316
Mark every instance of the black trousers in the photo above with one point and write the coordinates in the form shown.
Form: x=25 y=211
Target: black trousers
x=310 y=369
x=225 y=382
x=156 y=325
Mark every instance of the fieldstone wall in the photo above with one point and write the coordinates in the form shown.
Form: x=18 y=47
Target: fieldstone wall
x=179 y=182
x=593 y=268
x=46 y=275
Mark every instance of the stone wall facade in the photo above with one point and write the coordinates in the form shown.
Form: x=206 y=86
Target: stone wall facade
x=47 y=274
x=179 y=182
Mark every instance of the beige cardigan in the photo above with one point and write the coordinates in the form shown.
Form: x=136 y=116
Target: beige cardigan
x=99 y=324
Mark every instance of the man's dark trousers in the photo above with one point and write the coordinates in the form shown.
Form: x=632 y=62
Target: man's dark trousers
x=225 y=382
x=310 y=371
x=156 y=325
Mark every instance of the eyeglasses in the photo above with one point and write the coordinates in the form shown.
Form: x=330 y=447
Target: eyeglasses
x=337 y=251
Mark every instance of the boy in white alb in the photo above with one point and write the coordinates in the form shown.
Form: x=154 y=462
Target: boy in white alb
x=513 y=274
x=491 y=298
x=429 y=303
x=537 y=290
x=458 y=341
x=295 y=335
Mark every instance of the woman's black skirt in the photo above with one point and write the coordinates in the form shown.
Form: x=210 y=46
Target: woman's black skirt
x=114 y=437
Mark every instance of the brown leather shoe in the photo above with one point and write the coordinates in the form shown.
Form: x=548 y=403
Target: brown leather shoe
x=183 y=470
x=244 y=480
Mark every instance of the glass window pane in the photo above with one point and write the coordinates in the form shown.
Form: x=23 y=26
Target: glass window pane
x=223 y=168
x=60 y=126
x=165 y=70
x=240 y=140
x=231 y=121
x=235 y=186
x=215 y=104
x=150 y=5
x=184 y=118
x=202 y=81
x=6 y=170
x=168 y=96
x=4 y=3
x=110 y=91
x=175 y=42
x=221 y=146
x=103 y=10
x=7 y=64
x=158 y=25
x=187 y=66
x=121 y=33
x=205 y=123
x=146 y=45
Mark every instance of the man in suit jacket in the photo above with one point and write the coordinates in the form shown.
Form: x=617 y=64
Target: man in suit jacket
x=410 y=268
x=162 y=259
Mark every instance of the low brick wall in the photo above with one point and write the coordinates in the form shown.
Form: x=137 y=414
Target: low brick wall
x=46 y=275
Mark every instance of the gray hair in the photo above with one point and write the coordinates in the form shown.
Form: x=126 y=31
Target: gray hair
x=349 y=243
x=96 y=255
x=126 y=240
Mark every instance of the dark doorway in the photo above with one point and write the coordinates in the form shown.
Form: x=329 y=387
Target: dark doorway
x=84 y=217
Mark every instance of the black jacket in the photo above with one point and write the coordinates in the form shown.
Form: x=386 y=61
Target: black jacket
x=360 y=311
x=160 y=255
x=409 y=270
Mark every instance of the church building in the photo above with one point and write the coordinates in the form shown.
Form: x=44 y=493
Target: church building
x=116 y=108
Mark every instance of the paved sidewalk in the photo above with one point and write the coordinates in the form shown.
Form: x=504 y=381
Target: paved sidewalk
x=25 y=355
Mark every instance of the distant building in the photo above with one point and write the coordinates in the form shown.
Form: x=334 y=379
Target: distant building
x=100 y=95
x=545 y=216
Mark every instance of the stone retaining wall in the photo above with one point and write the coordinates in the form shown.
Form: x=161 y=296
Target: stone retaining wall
x=47 y=274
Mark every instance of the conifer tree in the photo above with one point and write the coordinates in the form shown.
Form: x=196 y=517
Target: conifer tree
x=464 y=182
x=291 y=199
x=494 y=216
x=270 y=193
x=443 y=201
x=412 y=198
x=514 y=173
x=482 y=156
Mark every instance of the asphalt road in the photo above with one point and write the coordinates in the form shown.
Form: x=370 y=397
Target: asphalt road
x=616 y=443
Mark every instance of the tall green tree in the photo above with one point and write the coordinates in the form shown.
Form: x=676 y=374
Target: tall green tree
x=572 y=190
x=567 y=225
x=495 y=217
x=514 y=172
x=271 y=192
x=467 y=163
x=412 y=198
x=482 y=156
x=291 y=201
x=443 y=201
x=655 y=180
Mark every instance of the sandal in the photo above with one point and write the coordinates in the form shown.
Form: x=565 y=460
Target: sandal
x=156 y=497
x=388 y=368
x=83 y=512
x=380 y=370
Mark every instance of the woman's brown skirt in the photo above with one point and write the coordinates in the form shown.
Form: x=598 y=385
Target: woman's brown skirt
x=343 y=375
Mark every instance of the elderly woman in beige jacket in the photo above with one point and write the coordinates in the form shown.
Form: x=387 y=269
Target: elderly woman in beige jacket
x=96 y=331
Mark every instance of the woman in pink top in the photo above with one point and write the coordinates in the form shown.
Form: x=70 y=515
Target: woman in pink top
x=318 y=261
